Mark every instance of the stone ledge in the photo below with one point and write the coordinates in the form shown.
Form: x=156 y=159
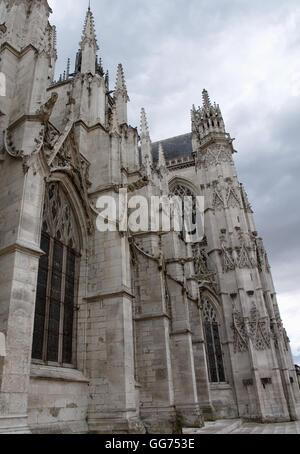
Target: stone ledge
x=20 y=246
x=219 y=386
x=57 y=374
x=121 y=292
x=144 y=317
x=220 y=427
x=14 y=424
x=61 y=428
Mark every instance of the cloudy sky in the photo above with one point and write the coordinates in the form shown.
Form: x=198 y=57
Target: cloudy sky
x=247 y=55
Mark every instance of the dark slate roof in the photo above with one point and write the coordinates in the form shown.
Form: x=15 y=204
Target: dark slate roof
x=174 y=147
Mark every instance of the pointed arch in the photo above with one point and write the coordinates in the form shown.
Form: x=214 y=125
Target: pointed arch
x=212 y=327
x=183 y=189
x=64 y=243
x=76 y=204
x=175 y=181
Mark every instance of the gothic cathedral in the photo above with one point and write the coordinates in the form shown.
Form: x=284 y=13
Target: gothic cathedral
x=123 y=332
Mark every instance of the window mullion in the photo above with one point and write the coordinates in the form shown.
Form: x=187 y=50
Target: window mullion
x=215 y=352
x=62 y=306
x=75 y=313
x=48 y=295
x=207 y=354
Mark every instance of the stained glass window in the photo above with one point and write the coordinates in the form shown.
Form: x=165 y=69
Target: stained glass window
x=182 y=192
x=213 y=344
x=57 y=281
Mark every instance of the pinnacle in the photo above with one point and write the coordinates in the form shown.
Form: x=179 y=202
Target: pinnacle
x=120 y=82
x=89 y=32
x=206 y=99
x=144 y=126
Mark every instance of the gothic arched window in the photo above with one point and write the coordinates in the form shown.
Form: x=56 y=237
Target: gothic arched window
x=213 y=344
x=57 y=281
x=182 y=191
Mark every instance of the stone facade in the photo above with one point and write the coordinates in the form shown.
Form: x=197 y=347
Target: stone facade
x=114 y=331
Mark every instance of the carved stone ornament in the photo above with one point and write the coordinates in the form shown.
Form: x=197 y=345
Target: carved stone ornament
x=11 y=149
x=240 y=338
x=245 y=200
x=253 y=327
x=214 y=156
x=43 y=115
x=241 y=256
x=232 y=197
x=67 y=159
x=218 y=201
x=204 y=275
x=225 y=196
x=58 y=219
x=262 y=257
x=259 y=330
x=46 y=110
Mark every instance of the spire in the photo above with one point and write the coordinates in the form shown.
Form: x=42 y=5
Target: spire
x=120 y=83
x=121 y=96
x=89 y=32
x=146 y=146
x=88 y=44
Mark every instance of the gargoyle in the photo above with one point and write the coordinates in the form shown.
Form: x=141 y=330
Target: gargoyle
x=46 y=110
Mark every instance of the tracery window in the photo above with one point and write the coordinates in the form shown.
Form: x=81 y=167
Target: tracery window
x=57 y=281
x=213 y=344
x=182 y=191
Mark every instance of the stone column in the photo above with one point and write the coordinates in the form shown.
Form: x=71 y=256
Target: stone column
x=183 y=366
x=109 y=336
x=21 y=204
x=153 y=353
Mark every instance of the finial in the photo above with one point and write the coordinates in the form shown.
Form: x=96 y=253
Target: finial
x=68 y=67
x=89 y=32
x=206 y=99
x=107 y=78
